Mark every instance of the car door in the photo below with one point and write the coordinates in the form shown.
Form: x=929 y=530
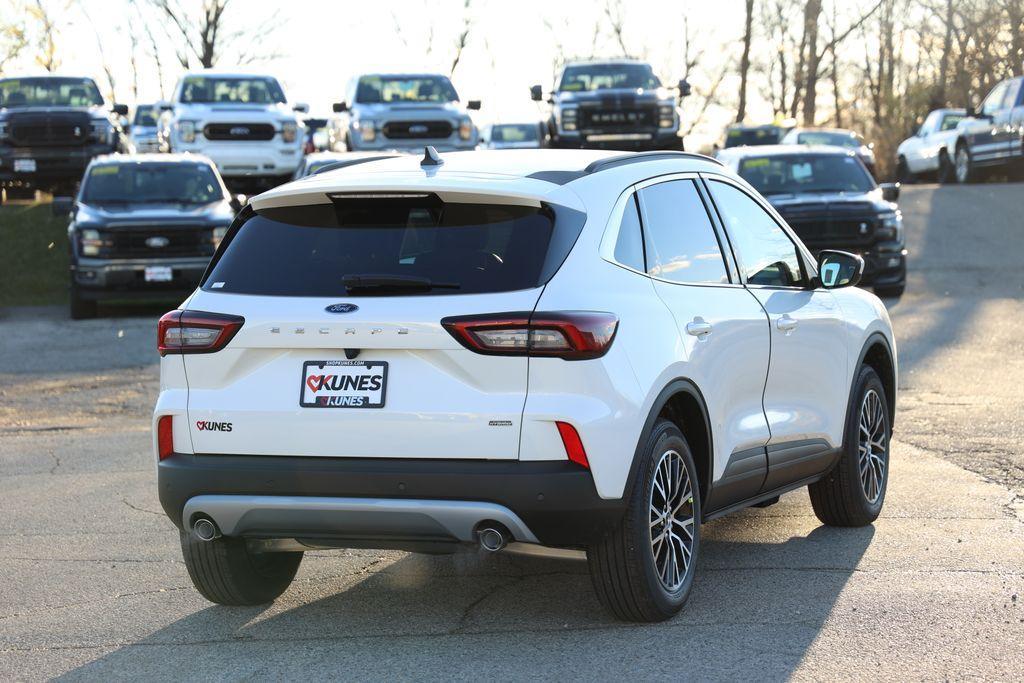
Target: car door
x=920 y=151
x=1011 y=120
x=807 y=388
x=723 y=331
x=984 y=136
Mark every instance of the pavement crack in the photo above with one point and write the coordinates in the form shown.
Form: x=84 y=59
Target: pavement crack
x=138 y=509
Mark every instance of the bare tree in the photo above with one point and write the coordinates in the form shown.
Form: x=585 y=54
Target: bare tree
x=202 y=38
x=741 y=109
x=13 y=37
x=463 y=37
x=616 y=16
x=46 y=42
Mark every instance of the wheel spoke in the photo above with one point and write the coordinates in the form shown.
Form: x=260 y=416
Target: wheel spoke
x=671 y=520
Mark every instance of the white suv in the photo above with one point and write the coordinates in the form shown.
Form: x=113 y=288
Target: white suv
x=240 y=121
x=564 y=348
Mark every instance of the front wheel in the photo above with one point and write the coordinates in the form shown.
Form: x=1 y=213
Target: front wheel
x=964 y=166
x=852 y=493
x=643 y=569
x=890 y=291
x=81 y=308
x=227 y=572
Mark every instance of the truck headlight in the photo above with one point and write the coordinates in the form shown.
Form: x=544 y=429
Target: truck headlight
x=289 y=131
x=3 y=130
x=367 y=129
x=666 y=115
x=187 y=131
x=465 y=128
x=569 y=119
x=102 y=131
x=89 y=242
x=892 y=227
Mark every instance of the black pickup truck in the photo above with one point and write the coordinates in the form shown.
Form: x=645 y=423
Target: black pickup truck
x=991 y=137
x=50 y=129
x=616 y=104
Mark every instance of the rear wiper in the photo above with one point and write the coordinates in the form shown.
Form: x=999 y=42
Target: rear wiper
x=378 y=282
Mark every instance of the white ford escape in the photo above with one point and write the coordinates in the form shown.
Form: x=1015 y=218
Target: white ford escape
x=573 y=349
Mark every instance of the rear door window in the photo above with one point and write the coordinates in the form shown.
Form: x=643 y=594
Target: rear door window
x=394 y=246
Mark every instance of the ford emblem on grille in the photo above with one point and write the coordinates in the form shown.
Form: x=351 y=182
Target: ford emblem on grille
x=418 y=129
x=157 y=242
x=341 y=308
x=239 y=131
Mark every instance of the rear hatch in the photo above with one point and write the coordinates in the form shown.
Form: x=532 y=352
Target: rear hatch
x=342 y=354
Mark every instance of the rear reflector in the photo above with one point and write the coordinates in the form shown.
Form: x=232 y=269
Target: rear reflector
x=573 y=445
x=196 y=331
x=165 y=436
x=572 y=335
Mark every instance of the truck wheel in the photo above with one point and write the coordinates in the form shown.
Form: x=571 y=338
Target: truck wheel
x=964 y=166
x=226 y=572
x=81 y=308
x=903 y=174
x=890 y=292
x=643 y=569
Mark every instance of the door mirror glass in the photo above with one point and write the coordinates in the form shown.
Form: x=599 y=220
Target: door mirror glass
x=890 y=191
x=839 y=269
x=536 y=93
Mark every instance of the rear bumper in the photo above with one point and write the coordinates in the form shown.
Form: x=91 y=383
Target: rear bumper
x=367 y=500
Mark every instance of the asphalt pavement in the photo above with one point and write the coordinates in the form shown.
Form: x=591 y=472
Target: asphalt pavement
x=92 y=585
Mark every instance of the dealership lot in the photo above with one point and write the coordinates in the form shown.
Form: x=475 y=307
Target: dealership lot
x=92 y=584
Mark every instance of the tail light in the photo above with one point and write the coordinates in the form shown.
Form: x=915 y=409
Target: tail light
x=573 y=445
x=196 y=332
x=165 y=436
x=571 y=335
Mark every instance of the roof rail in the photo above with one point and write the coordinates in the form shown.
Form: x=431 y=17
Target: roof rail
x=345 y=163
x=637 y=157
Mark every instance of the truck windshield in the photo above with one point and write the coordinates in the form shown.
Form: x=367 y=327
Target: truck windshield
x=384 y=89
x=145 y=115
x=230 y=90
x=585 y=77
x=151 y=183
x=740 y=137
x=795 y=173
x=49 y=91
x=836 y=138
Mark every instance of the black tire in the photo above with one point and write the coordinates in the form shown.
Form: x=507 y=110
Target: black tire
x=903 y=174
x=890 y=292
x=841 y=499
x=968 y=174
x=80 y=308
x=226 y=572
x=945 y=174
x=623 y=566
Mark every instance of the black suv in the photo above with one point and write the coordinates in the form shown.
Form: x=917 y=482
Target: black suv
x=50 y=129
x=828 y=197
x=618 y=104
x=144 y=226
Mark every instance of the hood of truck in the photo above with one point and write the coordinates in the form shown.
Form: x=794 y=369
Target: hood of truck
x=110 y=215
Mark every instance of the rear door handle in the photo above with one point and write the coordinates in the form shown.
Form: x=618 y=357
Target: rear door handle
x=786 y=323
x=699 y=328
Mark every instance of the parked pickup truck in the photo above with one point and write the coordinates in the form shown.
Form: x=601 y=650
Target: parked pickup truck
x=50 y=129
x=991 y=137
x=617 y=104
x=925 y=152
x=242 y=122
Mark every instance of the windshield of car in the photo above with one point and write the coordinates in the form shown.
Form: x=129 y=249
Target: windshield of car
x=740 y=137
x=826 y=137
x=587 y=77
x=794 y=173
x=229 y=90
x=49 y=92
x=950 y=121
x=394 y=246
x=151 y=183
x=389 y=89
x=145 y=116
x=514 y=132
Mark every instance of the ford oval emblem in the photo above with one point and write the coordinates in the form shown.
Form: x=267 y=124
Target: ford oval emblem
x=157 y=242
x=341 y=308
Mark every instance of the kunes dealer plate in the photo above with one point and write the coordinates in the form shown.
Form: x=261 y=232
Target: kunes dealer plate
x=343 y=384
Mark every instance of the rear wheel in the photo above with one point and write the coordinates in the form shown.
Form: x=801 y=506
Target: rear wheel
x=227 y=572
x=853 y=492
x=903 y=174
x=643 y=569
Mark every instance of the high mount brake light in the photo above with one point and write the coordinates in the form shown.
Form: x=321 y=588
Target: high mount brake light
x=195 y=331
x=571 y=335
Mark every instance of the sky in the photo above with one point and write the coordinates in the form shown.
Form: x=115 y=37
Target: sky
x=511 y=45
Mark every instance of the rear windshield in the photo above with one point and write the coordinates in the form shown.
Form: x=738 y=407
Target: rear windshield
x=395 y=246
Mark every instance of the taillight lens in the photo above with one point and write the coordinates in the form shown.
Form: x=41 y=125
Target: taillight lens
x=196 y=331
x=165 y=436
x=571 y=335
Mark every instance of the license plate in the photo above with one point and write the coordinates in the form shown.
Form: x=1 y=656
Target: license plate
x=159 y=274
x=343 y=384
x=24 y=165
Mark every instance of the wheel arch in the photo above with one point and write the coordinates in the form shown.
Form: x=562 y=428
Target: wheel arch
x=877 y=354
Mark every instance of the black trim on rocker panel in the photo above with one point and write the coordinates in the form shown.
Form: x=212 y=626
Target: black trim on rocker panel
x=796 y=460
x=743 y=477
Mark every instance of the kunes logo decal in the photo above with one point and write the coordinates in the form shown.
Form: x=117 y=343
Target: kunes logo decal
x=343 y=382
x=206 y=426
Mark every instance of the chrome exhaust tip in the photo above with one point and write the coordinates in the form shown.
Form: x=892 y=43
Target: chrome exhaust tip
x=492 y=539
x=205 y=529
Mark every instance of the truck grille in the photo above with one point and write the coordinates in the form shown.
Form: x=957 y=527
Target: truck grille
x=239 y=131
x=411 y=130
x=47 y=134
x=834 y=232
x=176 y=241
x=616 y=120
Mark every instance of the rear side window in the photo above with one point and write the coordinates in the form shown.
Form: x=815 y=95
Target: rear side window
x=680 y=240
x=629 y=247
x=394 y=246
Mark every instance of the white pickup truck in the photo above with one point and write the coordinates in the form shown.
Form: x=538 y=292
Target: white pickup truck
x=242 y=122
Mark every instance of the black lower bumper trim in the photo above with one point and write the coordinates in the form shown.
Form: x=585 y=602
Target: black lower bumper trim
x=556 y=499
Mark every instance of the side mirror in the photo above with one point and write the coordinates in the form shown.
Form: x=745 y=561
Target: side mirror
x=890 y=191
x=301 y=107
x=473 y=104
x=238 y=201
x=684 y=88
x=120 y=109
x=62 y=205
x=971 y=111
x=839 y=269
x=339 y=107
x=166 y=106
x=536 y=93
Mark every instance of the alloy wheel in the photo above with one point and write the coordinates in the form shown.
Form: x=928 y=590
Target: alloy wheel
x=872 y=445
x=672 y=520
x=963 y=165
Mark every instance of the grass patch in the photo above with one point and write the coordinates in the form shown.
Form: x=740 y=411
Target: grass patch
x=33 y=256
